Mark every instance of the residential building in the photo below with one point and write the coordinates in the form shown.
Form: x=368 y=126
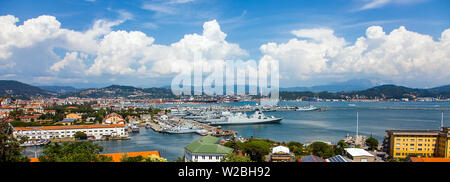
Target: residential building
x=53 y=132
x=206 y=149
x=114 y=118
x=359 y=155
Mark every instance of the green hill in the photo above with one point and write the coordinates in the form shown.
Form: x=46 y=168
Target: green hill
x=21 y=90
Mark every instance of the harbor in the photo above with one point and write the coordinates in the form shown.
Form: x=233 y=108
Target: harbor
x=331 y=126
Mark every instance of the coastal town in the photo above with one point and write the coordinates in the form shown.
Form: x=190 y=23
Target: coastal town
x=69 y=120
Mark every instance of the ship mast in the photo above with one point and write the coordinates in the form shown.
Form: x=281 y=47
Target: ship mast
x=357 y=122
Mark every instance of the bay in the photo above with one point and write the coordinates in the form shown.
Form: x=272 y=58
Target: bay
x=329 y=126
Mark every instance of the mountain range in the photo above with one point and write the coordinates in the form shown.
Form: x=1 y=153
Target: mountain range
x=346 y=86
x=351 y=88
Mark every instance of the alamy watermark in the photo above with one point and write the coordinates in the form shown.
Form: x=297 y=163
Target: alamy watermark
x=215 y=78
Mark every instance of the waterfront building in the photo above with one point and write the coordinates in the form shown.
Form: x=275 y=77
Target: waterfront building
x=206 y=149
x=281 y=154
x=359 y=155
x=59 y=132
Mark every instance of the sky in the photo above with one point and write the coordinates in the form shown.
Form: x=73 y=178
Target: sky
x=96 y=43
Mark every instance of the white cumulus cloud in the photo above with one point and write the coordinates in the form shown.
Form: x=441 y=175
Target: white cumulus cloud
x=401 y=56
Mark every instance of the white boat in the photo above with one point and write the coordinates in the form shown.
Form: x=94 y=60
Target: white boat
x=308 y=108
x=176 y=112
x=241 y=119
x=35 y=143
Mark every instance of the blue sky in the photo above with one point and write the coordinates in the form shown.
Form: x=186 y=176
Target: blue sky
x=248 y=24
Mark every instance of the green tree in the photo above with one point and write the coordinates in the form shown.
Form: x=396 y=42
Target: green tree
x=235 y=158
x=340 y=147
x=80 y=135
x=73 y=152
x=372 y=143
x=125 y=158
x=321 y=149
x=297 y=148
x=180 y=158
x=256 y=148
x=10 y=150
x=154 y=158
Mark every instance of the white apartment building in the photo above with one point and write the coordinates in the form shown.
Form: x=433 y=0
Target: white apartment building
x=52 y=132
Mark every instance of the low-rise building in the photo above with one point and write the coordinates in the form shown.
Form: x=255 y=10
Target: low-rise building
x=359 y=155
x=54 y=132
x=206 y=149
x=281 y=154
x=114 y=118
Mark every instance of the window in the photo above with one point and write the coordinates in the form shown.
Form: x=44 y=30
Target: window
x=412 y=140
x=210 y=157
x=203 y=157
